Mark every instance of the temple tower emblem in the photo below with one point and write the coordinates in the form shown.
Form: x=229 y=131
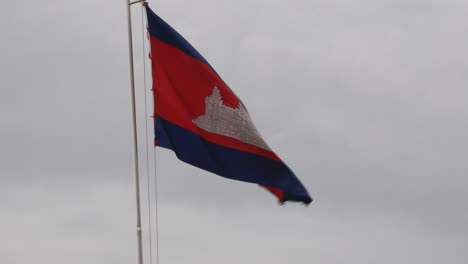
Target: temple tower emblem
x=230 y=122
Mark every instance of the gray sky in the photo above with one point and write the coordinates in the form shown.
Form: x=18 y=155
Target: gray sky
x=365 y=100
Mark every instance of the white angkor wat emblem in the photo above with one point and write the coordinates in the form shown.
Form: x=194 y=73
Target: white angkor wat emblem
x=230 y=122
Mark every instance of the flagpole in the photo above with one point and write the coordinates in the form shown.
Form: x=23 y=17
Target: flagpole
x=134 y=132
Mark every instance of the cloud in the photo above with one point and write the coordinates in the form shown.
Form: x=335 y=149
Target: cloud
x=364 y=100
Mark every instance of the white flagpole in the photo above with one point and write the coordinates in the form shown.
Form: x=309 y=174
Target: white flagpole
x=134 y=132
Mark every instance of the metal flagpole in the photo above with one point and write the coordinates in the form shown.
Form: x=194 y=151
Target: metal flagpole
x=134 y=132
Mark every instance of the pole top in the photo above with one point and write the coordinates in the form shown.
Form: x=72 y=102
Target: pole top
x=138 y=1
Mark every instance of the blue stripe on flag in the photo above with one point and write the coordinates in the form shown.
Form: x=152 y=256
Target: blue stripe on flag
x=228 y=162
x=159 y=29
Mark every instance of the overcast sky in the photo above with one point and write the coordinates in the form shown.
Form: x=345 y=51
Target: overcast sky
x=365 y=100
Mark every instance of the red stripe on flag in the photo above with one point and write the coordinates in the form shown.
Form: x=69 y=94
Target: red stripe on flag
x=181 y=84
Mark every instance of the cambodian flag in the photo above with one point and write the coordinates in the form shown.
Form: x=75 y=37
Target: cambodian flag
x=201 y=119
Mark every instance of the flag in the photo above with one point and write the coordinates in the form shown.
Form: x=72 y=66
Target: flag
x=201 y=119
